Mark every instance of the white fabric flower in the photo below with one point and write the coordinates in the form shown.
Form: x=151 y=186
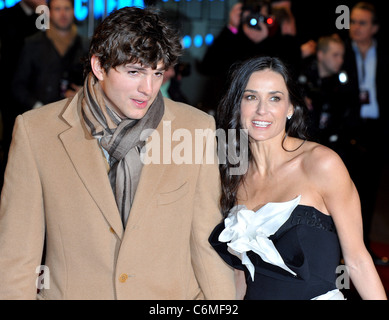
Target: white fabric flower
x=246 y=230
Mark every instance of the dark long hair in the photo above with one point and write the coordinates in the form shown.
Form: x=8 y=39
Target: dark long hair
x=228 y=117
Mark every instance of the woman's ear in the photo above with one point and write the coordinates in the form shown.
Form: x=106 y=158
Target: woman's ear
x=290 y=111
x=97 y=70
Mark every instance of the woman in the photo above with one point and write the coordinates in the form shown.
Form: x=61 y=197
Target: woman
x=287 y=215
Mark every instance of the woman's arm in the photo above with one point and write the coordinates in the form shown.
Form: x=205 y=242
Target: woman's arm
x=240 y=283
x=342 y=201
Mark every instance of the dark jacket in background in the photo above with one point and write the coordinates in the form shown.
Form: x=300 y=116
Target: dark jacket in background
x=42 y=71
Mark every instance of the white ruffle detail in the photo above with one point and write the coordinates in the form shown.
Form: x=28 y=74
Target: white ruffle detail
x=335 y=294
x=246 y=230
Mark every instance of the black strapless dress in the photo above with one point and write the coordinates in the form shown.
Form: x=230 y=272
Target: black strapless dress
x=309 y=246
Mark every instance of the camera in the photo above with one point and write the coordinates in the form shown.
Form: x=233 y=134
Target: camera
x=251 y=14
x=253 y=20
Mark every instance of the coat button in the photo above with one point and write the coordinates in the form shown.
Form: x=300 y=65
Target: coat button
x=123 y=277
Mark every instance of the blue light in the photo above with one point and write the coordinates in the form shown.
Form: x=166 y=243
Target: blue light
x=209 y=39
x=10 y=3
x=198 y=41
x=111 y=5
x=128 y=3
x=186 y=42
x=253 y=22
x=7 y=3
x=80 y=9
x=98 y=8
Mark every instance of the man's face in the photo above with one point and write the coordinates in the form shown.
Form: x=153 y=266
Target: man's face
x=61 y=14
x=332 y=59
x=131 y=88
x=362 y=28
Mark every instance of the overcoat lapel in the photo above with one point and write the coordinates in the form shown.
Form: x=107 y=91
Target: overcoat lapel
x=88 y=161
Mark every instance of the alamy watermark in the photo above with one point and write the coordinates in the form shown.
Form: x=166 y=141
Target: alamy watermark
x=43 y=279
x=343 y=20
x=343 y=280
x=207 y=146
x=43 y=21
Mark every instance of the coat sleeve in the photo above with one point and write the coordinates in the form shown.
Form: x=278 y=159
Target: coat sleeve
x=21 y=220
x=215 y=277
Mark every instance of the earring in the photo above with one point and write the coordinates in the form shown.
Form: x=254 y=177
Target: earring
x=289 y=116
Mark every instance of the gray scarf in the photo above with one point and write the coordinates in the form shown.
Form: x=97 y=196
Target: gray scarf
x=121 y=139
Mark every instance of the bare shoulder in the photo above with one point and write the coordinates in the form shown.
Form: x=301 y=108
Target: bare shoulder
x=321 y=162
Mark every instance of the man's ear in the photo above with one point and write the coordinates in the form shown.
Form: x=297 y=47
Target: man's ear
x=97 y=70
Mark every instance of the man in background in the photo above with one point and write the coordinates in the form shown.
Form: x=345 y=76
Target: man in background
x=323 y=81
x=16 y=24
x=50 y=65
x=366 y=62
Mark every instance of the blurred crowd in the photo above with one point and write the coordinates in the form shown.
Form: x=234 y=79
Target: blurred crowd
x=342 y=71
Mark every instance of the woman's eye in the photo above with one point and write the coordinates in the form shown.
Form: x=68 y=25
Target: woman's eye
x=250 y=97
x=275 y=99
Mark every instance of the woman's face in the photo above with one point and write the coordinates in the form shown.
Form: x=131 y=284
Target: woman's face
x=265 y=105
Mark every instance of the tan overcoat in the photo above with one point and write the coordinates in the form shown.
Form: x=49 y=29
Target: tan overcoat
x=56 y=187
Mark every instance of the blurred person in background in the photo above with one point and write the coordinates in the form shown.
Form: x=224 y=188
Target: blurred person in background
x=171 y=85
x=367 y=65
x=16 y=24
x=50 y=65
x=322 y=82
x=252 y=30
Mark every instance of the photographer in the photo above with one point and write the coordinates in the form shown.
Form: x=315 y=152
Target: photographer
x=252 y=30
x=324 y=85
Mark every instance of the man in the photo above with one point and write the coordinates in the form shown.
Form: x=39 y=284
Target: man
x=16 y=24
x=366 y=62
x=50 y=67
x=323 y=83
x=116 y=225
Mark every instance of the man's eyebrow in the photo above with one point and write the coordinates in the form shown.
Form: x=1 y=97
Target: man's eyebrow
x=134 y=66
x=141 y=68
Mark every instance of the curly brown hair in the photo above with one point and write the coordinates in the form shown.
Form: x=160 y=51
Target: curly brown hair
x=134 y=35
